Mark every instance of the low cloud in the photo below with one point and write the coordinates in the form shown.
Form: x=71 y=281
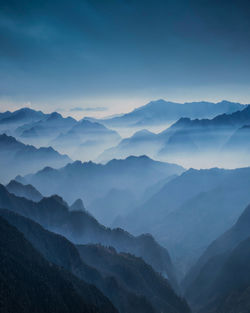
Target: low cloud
x=80 y=109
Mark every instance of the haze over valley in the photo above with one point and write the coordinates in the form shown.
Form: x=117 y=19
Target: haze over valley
x=124 y=156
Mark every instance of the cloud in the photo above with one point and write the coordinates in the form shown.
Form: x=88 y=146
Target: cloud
x=94 y=109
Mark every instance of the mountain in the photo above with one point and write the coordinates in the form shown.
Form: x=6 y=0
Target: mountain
x=239 y=142
x=18 y=158
x=155 y=188
x=190 y=142
x=225 y=284
x=90 y=181
x=61 y=252
x=114 y=204
x=5 y=114
x=142 y=142
x=214 y=132
x=223 y=245
x=85 y=140
x=220 y=280
x=77 y=206
x=29 y=283
x=213 y=140
x=43 y=131
x=80 y=139
x=11 y=120
x=58 y=250
x=164 y=112
x=180 y=215
x=81 y=228
x=26 y=191
x=178 y=143
x=134 y=274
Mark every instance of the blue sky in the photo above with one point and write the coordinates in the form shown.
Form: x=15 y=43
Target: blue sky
x=108 y=56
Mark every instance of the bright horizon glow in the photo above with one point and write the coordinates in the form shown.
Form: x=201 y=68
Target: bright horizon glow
x=113 y=56
x=114 y=105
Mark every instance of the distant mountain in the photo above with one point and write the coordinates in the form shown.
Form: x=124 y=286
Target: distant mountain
x=163 y=112
x=115 y=203
x=18 y=158
x=90 y=181
x=26 y=191
x=77 y=206
x=227 y=285
x=5 y=114
x=42 y=131
x=85 y=130
x=81 y=228
x=224 y=267
x=155 y=188
x=86 y=140
x=206 y=135
x=127 y=298
x=29 y=283
x=239 y=142
x=222 y=245
x=142 y=142
x=80 y=139
x=191 y=142
x=11 y=120
x=180 y=215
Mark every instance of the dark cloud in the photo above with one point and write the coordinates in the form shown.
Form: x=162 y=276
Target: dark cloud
x=92 y=47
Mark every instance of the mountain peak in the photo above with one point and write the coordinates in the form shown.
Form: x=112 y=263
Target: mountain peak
x=7 y=139
x=143 y=133
x=77 y=206
x=54 y=199
x=137 y=158
x=54 y=116
x=26 y=191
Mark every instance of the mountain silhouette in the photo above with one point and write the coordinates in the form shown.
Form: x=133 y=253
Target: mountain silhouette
x=30 y=283
x=180 y=215
x=17 y=158
x=220 y=280
x=90 y=181
x=162 y=112
x=26 y=191
x=81 y=228
x=191 y=142
x=85 y=140
x=127 y=298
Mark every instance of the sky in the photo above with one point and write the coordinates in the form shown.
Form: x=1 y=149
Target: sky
x=102 y=57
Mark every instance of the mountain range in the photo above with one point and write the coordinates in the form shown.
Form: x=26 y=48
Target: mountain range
x=18 y=158
x=180 y=215
x=30 y=283
x=26 y=191
x=82 y=139
x=127 y=298
x=90 y=181
x=80 y=227
x=11 y=120
x=220 y=280
x=193 y=142
x=85 y=140
x=46 y=129
x=188 y=141
x=164 y=112
x=134 y=233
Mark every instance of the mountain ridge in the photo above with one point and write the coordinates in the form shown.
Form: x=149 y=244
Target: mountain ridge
x=18 y=158
x=161 y=111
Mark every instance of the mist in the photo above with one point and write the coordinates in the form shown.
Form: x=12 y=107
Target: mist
x=125 y=156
